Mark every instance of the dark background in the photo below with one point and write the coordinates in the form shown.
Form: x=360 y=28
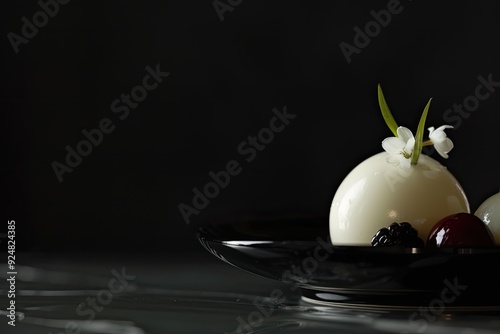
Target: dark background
x=225 y=79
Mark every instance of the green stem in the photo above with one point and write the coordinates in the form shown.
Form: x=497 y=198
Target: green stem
x=419 y=136
x=386 y=113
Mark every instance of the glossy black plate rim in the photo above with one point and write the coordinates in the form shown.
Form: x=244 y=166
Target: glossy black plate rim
x=341 y=248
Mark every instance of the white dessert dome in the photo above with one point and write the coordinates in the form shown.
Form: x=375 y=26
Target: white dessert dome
x=376 y=193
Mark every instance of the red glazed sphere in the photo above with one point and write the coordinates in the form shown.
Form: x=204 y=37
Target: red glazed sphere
x=463 y=230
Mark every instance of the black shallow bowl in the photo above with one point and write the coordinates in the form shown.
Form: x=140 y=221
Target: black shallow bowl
x=298 y=251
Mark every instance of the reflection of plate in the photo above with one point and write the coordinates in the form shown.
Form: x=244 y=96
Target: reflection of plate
x=381 y=278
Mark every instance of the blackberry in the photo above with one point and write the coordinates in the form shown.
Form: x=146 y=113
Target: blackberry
x=397 y=234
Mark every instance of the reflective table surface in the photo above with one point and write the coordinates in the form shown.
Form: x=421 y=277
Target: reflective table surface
x=190 y=293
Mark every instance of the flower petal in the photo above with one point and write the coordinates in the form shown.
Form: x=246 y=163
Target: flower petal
x=409 y=145
x=444 y=147
x=442 y=127
x=393 y=145
x=437 y=136
x=404 y=162
x=441 y=153
x=404 y=133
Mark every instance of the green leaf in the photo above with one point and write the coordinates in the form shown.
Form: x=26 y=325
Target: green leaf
x=386 y=113
x=419 y=136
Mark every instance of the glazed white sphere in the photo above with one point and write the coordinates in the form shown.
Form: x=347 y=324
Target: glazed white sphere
x=375 y=194
x=489 y=213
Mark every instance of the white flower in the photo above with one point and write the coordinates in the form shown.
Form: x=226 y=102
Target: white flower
x=442 y=144
x=400 y=148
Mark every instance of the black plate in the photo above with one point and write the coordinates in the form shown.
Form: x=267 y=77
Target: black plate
x=298 y=251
